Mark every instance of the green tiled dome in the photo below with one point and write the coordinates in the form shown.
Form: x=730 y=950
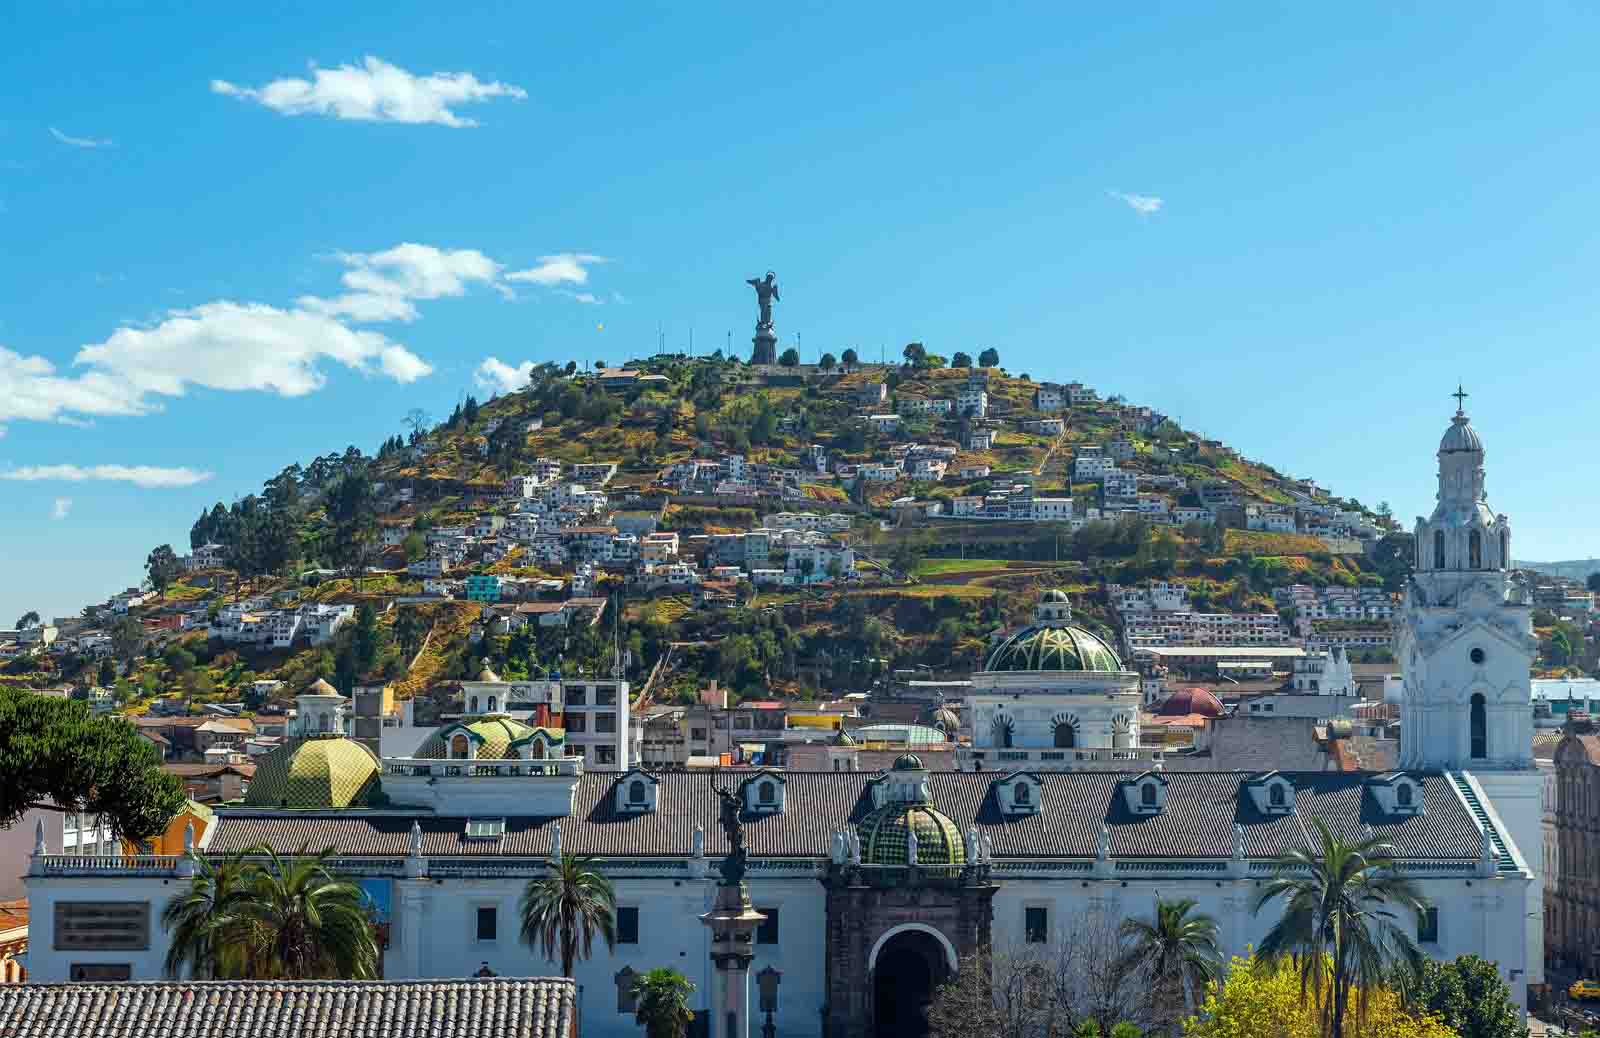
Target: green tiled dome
x=493 y=737
x=319 y=771
x=1042 y=647
x=883 y=836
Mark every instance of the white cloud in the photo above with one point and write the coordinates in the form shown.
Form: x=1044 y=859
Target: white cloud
x=81 y=142
x=148 y=476
x=62 y=506
x=496 y=376
x=1144 y=205
x=563 y=268
x=374 y=91
x=383 y=284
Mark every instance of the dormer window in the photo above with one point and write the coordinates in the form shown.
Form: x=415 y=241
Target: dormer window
x=485 y=828
x=1021 y=794
x=1403 y=794
x=1145 y=795
x=1275 y=795
x=763 y=793
x=766 y=794
x=1017 y=793
x=1396 y=794
x=636 y=793
x=1271 y=793
x=460 y=747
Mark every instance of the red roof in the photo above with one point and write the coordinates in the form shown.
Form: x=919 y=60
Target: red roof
x=1191 y=701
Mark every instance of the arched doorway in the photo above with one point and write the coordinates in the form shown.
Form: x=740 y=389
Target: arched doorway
x=909 y=967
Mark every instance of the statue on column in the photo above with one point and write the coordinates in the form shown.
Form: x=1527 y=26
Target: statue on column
x=734 y=864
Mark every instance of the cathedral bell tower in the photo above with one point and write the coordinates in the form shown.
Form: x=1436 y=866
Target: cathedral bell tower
x=1465 y=637
x=1465 y=642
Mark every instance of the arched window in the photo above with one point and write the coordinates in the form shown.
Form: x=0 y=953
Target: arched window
x=1505 y=549
x=491 y=704
x=1147 y=794
x=458 y=747
x=1020 y=793
x=767 y=793
x=472 y=707
x=1066 y=735
x=1474 y=549
x=1438 y=549
x=1002 y=731
x=1479 y=728
x=1402 y=794
x=536 y=750
x=1275 y=795
x=636 y=791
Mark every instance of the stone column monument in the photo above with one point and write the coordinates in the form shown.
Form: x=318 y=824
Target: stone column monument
x=766 y=340
x=733 y=925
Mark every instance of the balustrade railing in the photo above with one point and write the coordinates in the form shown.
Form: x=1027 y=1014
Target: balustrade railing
x=431 y=768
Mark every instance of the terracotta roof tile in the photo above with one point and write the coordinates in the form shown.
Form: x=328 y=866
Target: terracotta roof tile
x=499 y=1007
x=1201 y=810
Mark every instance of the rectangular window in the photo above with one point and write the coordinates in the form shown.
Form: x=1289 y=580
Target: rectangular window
x=1428 y=927
x=576 y=723
x=697 y=734
x=606 y=723
x=605 y=696
x=767 y=932
x=627 y=925
x=577 y=696
x=487 y=924
x=1036 y=924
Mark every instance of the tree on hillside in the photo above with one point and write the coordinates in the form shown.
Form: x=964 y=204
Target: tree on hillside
x=916 y=355
x=162 y=567
x=989 y=358
x=418 y=421
x=1469 y=997
x=961 y=360
x=28 y=619
x=848 y=357
x=127 y=638
x=789 y=358
x=55 y=755
x=827 y=362
x=106 y=675
x=1593 y=583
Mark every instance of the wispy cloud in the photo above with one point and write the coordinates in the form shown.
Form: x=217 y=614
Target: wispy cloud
x=62 y=506
x=374 y=91
x=81 y=142
x=1144 y=205
x=496 y=376
x=383 y=285
x=563 y=268
x=148 y=476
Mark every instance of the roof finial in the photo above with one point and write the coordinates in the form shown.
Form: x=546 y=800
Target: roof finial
x=1461 y=399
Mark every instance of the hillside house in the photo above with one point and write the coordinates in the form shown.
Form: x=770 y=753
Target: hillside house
x=1049 y=396
x=1044 y=426
x=972 y=399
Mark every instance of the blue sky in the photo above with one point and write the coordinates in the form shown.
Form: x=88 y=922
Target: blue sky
x=202 y=217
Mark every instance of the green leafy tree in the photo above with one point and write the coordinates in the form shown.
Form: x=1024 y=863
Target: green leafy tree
x=127 y=638
x=662 y=996
x=197 y=920
x=28 y=619
x=563 y=911
x=1468 y=995
x=849 y=357
x=827 y=362
x=1179 y=948
x=107 y=674
x=916 y=355
x=55 y=755
x=989 y=358
x=1341 y=901
x=961 y=360
x=298 y=921
x=789 y=358
x=162 y=567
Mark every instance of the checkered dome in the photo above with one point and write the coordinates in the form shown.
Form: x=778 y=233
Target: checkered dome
x=320 y=771
x=883 y=836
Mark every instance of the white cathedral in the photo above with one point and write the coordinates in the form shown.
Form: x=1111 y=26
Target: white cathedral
x=877 y=887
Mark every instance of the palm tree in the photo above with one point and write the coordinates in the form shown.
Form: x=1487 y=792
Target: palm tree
x=662 y=1008
x=298 y=921
x=1338 y=926
x=566 y=908
x=1179 y=949
x=197 y=918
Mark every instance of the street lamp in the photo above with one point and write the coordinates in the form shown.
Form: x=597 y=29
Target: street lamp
x=767 y=984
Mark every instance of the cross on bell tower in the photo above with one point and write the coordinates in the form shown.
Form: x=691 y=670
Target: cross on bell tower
x=1461 y=398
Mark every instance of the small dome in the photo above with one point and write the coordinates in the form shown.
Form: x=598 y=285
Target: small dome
x=908 y=762
x=883 y=836
x=488 y=675
x=1461 y=436
x=1042 y=647
x=320 y=687
x=494 y=737
x=1055 y=596
x=843 y=738
x=1187 y=701
x=320 y=771
x=946 y=718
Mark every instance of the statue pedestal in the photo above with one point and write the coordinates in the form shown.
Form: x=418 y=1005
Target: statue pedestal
x=733 y=927
x=765 y=345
